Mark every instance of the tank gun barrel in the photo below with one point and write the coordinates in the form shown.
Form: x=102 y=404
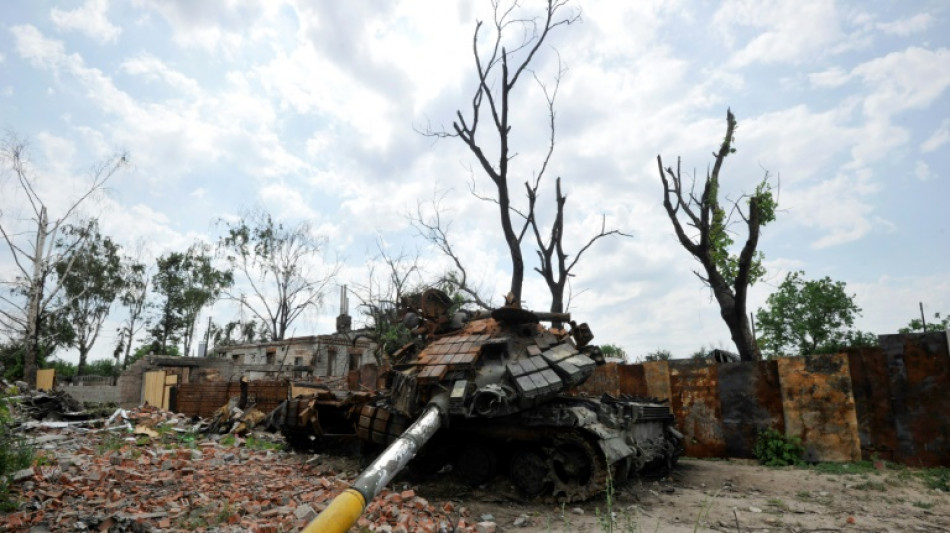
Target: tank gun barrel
x=553 y=317
x=347 y=507
x=541 y=316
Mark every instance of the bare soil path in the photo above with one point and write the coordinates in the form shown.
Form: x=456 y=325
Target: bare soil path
x=735 y=495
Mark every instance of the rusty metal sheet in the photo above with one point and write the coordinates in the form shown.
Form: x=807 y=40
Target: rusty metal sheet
x=919 y=366
x=657 y=374
x=751 y=400
x=871 y=388
x=632 y=380
x=603 y=380
x=695 y=400
x=819 y=407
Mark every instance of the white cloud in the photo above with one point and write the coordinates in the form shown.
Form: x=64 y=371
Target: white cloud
x=152 y=68
x=922 y=171
x=89 y=19
x=904 y=27
x=830 y=78
x=908 y=79
x=838 y=207
x=939 y=138
x=788 y=31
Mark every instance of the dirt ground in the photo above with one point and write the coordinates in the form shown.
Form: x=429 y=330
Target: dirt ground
x=99 y=481
x=726 y=495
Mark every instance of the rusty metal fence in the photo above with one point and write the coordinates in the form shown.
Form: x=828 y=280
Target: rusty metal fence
x=892 y=401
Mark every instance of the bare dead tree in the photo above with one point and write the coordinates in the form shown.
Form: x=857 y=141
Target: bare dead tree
x=435 y=230
x=728 y=276
x=39 y=248
x=498 y=75
x=556 y=264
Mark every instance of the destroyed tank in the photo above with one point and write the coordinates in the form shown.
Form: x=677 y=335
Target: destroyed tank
x=503 y=384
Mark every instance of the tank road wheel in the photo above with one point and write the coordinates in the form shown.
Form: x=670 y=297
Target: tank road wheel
x=529 y=472
x=476 y=464
x=579 y=470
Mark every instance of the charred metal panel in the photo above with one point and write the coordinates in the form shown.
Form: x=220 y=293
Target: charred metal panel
x=919 y=366
x=604 y=379
x=871 y=385
x=657 y=374
x=695 y=399
x=819 y=407
x=751 y=400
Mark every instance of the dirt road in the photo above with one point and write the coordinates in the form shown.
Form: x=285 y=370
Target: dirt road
x=734 y=495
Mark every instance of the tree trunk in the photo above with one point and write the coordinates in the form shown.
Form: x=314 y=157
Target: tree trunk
x=31 y=342
x=83 y=355
x=736 y=320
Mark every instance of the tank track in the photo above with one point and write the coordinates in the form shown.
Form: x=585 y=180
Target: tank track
x=570 y=469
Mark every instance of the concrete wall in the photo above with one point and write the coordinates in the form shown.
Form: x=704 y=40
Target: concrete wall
x=93 y=393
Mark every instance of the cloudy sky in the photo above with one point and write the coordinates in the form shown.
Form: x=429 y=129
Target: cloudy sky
x=311 y=110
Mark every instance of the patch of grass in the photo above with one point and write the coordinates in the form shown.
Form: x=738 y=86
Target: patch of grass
x=261 y=444
x=188 y=440
x=803 y=495
x=228 y=440
x=871 y=485
x=923 y=505
x=937 y=478
x=775 y=502
x=110 y=442
x=15 y=454
x=41 y=459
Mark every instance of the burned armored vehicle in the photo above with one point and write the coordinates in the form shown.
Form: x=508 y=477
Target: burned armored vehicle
x=501 y=384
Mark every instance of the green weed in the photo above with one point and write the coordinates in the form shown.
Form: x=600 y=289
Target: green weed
x=937 y=478
x=773 y=448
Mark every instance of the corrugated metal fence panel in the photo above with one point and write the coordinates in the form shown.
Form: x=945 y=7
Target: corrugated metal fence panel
x=819 y=407
x=203 y=399
x=921 y=393
x=751 y=400
x=695 y=399
x=871 y=384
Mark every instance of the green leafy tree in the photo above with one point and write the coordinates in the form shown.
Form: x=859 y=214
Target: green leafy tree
x=103 y=367
x=186 y=283
x=937 y=324
x=613 y=351
x=710 y=241
x=92 y=279
x=805 y=317
x=278 y=265
x=658 y=355
x=64 y=369
x=136 y=280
